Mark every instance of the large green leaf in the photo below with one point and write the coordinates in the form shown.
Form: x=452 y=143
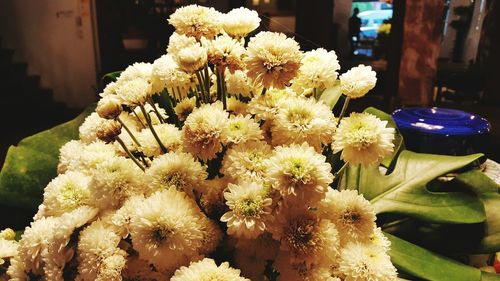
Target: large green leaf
x=427 y=265
x=404 y=190
x=488 y=192
x=331 y=95
x=399 y=145
x=30 y=165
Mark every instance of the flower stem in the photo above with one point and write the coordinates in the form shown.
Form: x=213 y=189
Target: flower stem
x=148 y=120
x=128 y=131
x=132 y=157
x=138 y=119
x=157 y=112
x=202 y=86
x=207 y=82
x=223 y=87
x=344 y=108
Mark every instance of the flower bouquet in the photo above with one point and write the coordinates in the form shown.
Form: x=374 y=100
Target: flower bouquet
x=223 y=160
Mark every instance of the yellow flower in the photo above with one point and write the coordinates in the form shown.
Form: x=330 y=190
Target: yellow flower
x=240 y=22
x=318 y=70
x=196 y=21
x=207 y=270
x=241 y=129
x=225 y=53
x=366 y=262
x=245 y=161
x=357 y=81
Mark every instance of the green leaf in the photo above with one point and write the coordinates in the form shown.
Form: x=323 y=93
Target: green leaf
x=399 y=145
x=488 y=192
x=427 y=265
x=331 y=95
x=30 y=165
x=404 y=190
x=112 y=76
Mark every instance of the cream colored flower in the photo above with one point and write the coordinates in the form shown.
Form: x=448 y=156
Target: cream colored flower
x=238 y=83
x=352 y=214
x=363 y=139
x=134 y=92
x=109 y=90
x=8 y=250
x=305 y=237
x=241 y=129
x=185 y=107
x=265 y=107
x=273 y=60
x=88 y=129
x=168 y=229
x=236 y=107
x=240 y=22
x=169 y=135
x=246 y=161
x=361 y=262
x=202 y=131
x=65 y=193
x=303 y=120
x=318 y=70
x=299 y=173
x=152 y=115
x=8 y=234
x=113 y=182
x=249 y=210
x=196 y=21
x=176 y=169
x=225 y=53
x=191 y=58
x=207 y=270
x=167 y=75
x=99 y=256
x=138 y=70
x=357 y=81
x=212 y=197
x=79 y=157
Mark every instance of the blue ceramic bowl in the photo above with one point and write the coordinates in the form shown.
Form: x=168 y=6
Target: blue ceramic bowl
x=442 y=130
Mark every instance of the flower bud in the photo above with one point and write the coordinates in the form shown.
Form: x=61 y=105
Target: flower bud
x=7 y=234
x=109 y=108
x=109 y=130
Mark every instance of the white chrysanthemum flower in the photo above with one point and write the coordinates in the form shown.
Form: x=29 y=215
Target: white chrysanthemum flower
x=109 y=90
x=138 y=70
x=352 y=214
x=380 y=240
x=303 y=120
x=176 y=169
x=8 y=250
x=246 y=161
x=168 y=75
x=318 y=70
x=364 y=139
x=249 y=210
x=206 y=270
x=185 y=107
x=79 y=157
x=169 y=135
x=301 y=271
x=134 y=92
x=17 y=270
x=236 y=107
x=202 y=131
x=305 y=237
x=240 y=22
x=265 y=107
x=238 y=83
x=299 y=173
x=241 y=129
x=132 y=122
x=177 y=42
x=357 y=81
x=196 y=21
x=168 y=229
x=99 y=256
x=361 y=262
x=273 y=60
x=89 y=128
x=191 y=58
x=119 y=220
x=225 y=53
x=65 y=193
x=114 y=181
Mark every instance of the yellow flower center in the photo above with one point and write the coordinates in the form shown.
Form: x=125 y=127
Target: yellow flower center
x=248 y=207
